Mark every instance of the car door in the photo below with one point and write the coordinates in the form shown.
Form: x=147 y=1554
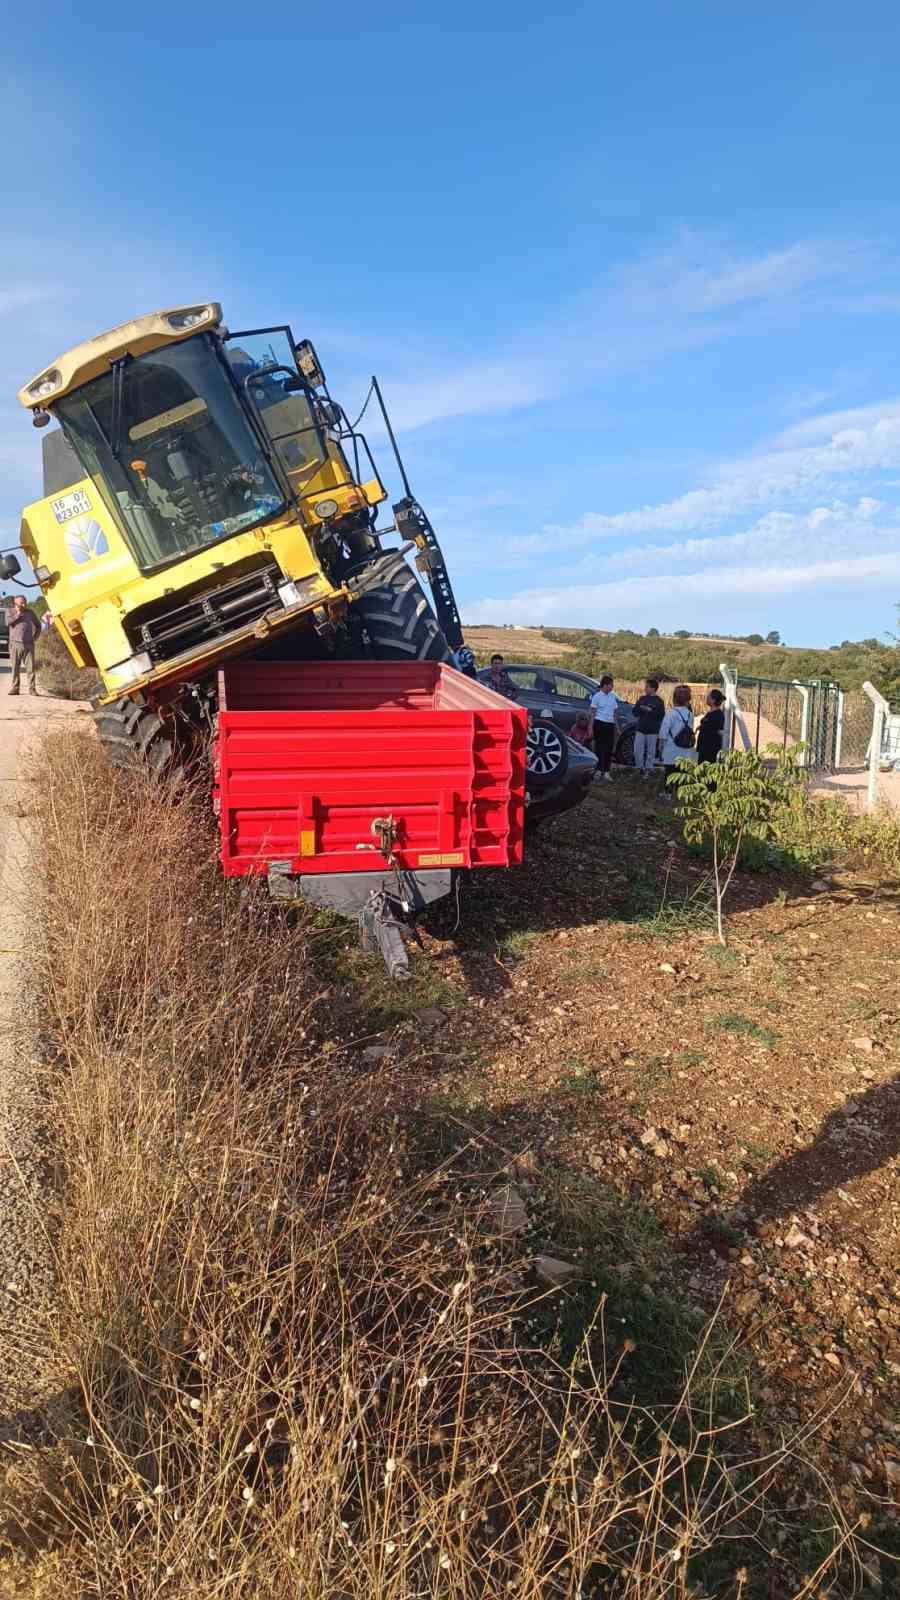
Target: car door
x=571 y=694
x=532 y=690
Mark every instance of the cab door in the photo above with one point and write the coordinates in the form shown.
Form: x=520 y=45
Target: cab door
x=265 y=369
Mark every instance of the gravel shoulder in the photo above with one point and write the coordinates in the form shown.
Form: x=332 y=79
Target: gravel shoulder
x=25 y=1255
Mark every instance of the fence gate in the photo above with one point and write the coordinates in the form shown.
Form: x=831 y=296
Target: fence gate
x=786 y=712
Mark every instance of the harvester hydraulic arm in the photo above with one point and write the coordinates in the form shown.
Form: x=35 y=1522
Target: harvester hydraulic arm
x=412 y=523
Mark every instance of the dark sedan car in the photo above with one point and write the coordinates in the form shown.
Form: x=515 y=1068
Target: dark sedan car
x=547 y=692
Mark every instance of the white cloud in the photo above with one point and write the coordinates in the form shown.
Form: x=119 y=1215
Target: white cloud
x=470 y=390
x=851 y=445
x=779 y=536
x=640 y=312
x=667 y=595
x=20 y=296
x=818 y=429
x=777 y=273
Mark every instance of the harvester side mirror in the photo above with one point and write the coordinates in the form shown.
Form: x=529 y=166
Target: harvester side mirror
x=9 y=566
x=308 y=362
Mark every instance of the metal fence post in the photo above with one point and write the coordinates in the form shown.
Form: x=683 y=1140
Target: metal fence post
x=881 y=709
x=839 y=730
x=732 y=709
x=803 y=758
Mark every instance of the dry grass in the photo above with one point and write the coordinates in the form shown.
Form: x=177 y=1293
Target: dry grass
x=517 y=644
x=57 y=672
x=299 y=1365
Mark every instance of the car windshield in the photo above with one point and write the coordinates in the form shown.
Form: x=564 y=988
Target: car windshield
x=167 y=437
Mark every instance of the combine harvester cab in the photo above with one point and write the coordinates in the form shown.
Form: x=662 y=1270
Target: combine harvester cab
x=362 y=787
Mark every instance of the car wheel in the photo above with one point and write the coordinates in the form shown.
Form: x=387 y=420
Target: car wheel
x=546 y=756
x=625 y=749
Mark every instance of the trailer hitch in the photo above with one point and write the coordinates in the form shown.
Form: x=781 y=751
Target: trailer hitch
x=381 y=928
x=384 y=830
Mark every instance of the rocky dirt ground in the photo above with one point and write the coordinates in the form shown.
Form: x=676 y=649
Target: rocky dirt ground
x=749 y=1097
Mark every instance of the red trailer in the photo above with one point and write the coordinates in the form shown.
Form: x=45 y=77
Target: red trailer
x=363 y=785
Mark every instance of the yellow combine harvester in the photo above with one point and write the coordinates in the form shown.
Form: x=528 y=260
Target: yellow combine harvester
x=204 y=496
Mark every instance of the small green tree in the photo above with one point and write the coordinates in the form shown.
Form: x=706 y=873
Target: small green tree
x=723 y=803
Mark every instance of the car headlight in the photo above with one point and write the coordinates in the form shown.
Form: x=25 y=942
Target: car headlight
x=128 y=671
x=45 y=385
x=325 y=509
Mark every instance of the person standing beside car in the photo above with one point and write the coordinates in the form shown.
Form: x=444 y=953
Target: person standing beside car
x=604 y=705
x=677 y=732
x=649 y=710
x=711 y=732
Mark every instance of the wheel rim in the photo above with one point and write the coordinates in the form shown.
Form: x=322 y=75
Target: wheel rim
x=545 y=751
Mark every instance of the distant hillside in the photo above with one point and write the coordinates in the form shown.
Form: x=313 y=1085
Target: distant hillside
x=693 y=658
x=516 y=644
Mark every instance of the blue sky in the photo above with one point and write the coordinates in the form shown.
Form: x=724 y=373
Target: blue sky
x=629 y=275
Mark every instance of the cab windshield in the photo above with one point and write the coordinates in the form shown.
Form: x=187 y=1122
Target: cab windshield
x=167 y=436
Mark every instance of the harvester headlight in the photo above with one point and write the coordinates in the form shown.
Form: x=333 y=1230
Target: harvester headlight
x=127 y=671
x=45 y=385
x=325 y=509
x=293 y=593
x=43 y=574
x=190 y=317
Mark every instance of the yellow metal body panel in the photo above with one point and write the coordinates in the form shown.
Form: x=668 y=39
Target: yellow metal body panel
x=93 y=356
x=95 y=582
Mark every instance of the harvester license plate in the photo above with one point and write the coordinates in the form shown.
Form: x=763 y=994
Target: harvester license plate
x=71 y=505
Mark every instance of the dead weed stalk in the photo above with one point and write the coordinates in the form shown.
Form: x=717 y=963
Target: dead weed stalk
x=299 y=1367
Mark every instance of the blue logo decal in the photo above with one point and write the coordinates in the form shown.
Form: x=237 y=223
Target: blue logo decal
x=85 y=539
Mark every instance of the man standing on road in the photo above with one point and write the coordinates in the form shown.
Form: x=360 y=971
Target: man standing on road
x=23 y=631
x=649 y=710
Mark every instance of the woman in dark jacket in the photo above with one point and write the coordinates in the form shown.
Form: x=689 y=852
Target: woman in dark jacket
x=712 y=727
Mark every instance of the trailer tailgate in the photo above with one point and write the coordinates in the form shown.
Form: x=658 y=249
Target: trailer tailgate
x=328 y=766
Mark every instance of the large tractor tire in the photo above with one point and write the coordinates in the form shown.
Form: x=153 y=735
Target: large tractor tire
x=134 y=735
x=397 y=617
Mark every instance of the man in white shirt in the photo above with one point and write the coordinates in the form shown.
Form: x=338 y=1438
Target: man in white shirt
x=604 y=705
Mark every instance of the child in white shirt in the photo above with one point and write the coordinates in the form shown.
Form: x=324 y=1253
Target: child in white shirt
x=604 y=705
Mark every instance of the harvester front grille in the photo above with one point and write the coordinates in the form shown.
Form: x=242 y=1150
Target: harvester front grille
x=209 y=616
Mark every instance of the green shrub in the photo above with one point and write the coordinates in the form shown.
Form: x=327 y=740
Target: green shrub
x=810 y=830
x=729 y=806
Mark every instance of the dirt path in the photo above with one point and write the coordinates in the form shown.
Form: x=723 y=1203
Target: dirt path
x=25 y=1261
x=851 y=783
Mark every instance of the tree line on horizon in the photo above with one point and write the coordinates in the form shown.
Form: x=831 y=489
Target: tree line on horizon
x=632 y=656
